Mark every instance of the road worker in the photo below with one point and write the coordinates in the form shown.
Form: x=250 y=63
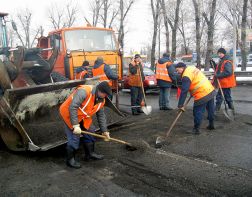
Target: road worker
x=164 y=73
x=104 y=72
x=135 y=82
x=77 y=112
x=201 y=89
x=224 y=72
x=82 y=72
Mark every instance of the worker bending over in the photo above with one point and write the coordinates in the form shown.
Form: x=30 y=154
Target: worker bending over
x=77 y=112
x=196 y=83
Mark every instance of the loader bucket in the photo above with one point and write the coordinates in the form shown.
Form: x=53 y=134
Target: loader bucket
x=30 y=120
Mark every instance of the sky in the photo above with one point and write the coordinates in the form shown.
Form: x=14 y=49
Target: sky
x=139 y=20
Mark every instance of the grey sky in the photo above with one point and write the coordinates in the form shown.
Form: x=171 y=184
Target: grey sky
x=139 y=19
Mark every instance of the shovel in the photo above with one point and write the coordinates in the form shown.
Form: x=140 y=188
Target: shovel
x=128 y=145
x=147 y=109
x=161 y=139
x=229 y=113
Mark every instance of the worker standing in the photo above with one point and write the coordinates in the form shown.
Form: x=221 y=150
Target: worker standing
x=77 y=112
x=82 y=72
x=104 y=72
x=135 y=82
x=164 y=81
x=224 y=71
x=201 y=89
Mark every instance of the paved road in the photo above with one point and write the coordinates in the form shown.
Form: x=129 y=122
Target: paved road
x=217 y=163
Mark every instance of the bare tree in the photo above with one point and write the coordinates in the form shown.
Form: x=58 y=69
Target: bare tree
x=197 y=30
x=182 y=29
x=174 y=27
x=71 y=12
x=56 y=17
x=95 y=6
x=166 y=24
x=109 y=13
x=243 y=35
x=155 y=8
x=210 y=32
x=26 y=34
x=63 y=17
x=124 y=7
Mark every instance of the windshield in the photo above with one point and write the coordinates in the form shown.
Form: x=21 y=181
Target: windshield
x=90 y=40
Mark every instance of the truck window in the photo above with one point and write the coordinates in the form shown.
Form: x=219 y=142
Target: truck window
x=90 y=40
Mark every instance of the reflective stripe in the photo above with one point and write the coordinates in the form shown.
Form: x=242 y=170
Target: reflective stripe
x=199 y=85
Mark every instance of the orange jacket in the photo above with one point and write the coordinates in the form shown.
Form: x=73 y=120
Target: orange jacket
x=134 y=79
x=226 y=82
x=162 y=72
x=200 y=85
x=99 y=72
x=81 y=75
x=85 y=112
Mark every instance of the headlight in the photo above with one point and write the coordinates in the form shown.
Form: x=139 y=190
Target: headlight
x=151 y=82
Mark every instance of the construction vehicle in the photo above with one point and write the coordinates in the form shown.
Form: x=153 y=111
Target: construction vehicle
x=77 y=44
x=31 y=93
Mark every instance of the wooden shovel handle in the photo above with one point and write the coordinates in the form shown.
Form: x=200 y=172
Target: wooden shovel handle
x=104 y=137
x=177 y=117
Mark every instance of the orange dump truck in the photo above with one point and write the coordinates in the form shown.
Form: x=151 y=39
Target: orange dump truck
x=77 y=44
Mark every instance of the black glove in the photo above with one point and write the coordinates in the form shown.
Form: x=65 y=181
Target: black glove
x=213 y=63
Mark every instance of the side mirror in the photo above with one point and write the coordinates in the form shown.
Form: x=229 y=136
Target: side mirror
x=14 y=26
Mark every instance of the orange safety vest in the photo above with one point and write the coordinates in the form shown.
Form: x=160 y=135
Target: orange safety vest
x=99 y=72
x=227 y=82
x=81 y=74
x=162 y=72
x=87 y=109
x=134 y=79
x=200 y=85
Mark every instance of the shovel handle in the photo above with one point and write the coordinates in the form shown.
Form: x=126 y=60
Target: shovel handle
x=104 y=137
x=177 y=117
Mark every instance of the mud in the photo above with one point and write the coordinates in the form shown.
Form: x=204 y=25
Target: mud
x=214 y=163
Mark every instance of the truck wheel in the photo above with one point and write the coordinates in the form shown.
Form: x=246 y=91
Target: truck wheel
x=57 y=77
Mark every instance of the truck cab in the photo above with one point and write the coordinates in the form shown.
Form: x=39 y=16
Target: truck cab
x=77 y=44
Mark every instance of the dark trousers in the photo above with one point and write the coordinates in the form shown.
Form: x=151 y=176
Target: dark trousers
x=199 y=110
x=136 y=94
x=227 y=95
x=74 y=140
x=164 y=97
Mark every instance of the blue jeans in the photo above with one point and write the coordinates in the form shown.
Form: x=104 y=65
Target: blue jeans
x=74 y=140
x=227 y=96
x=164 y=97
x=136 y=94
x=199 y=110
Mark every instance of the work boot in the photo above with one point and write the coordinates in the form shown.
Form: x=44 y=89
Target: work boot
x=211 y=126
x=140 y=111
x=217 y=108
x=89 y=152
x=231 y=105
x=71 y=162
x=195 y=131
x=134 y=113
x=168 y=108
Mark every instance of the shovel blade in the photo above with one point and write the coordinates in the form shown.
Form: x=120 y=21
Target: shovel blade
x=147 y=109
x=159 y=142
x=229 y=113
